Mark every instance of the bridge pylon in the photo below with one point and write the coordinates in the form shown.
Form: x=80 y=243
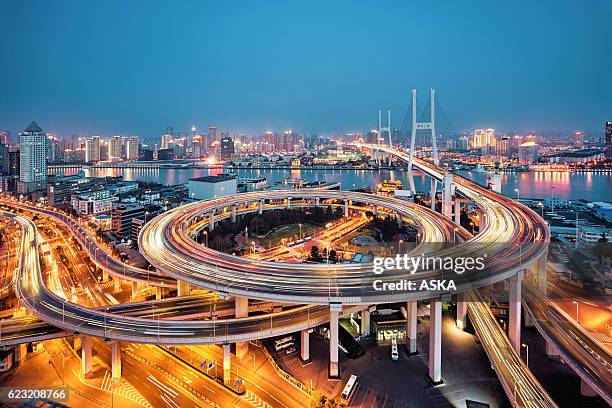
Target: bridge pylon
x=431 y=126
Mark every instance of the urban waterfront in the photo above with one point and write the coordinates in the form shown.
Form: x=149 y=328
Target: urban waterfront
x=567 y=185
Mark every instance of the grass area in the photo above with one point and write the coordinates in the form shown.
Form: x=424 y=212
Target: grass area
x=290 y=232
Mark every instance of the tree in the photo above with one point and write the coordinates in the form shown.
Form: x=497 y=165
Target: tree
x=314 y=253
x=333 y=255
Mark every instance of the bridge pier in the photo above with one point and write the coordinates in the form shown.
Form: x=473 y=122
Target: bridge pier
x=227 y=365
x=435 y=341
x=542 y=273
x=398 y=217
x=457 y=211
x=317 y=201
x=241 y=310
x=20 y=353
x=86 y=357
x=212 y=220
x=159 y=293
x=288 y=203
x=135 y=287
x=481 y=220
x=586 y=390
x=334 y=367
x=260 y=209
x=447 y=196
x=116 y=359
x=305 y=346
x=434 y=188
x=552 y=352
x=182 y=288
x=104 y=275
x=514 y=324
x=233 y=213
x=346 y=208
x=411 y=327
x=365 y=322
x=461 y=311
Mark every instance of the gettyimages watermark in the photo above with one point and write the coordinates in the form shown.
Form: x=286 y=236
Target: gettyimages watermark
x=413 y=265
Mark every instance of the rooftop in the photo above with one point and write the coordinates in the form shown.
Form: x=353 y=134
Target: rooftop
x=215 y=179
x=33 y=128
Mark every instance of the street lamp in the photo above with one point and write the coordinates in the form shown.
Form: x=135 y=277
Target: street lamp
x=526 y=346
x=399 y=245
x=206 y=236
x=455 y=234
x=518 y=194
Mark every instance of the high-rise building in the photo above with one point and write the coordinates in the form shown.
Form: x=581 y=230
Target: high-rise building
x=196 y=147
x=227 y=148
x=114 y=148
x=483 y=137
x=212 y=135
x=4 y=137
x=4 y=160
x=92 y=149
x=166 y=139
x=528 y=153
x=503 y=147
x=131 y=148
x=32 y=159
x=122 y=216
x=608 y=145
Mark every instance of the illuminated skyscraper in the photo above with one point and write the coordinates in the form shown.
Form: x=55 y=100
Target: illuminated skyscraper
x=92 y=149
x=32 y=159
x=608 y=145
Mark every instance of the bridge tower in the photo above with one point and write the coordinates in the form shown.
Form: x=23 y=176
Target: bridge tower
x=431 y=126
x=382 y=129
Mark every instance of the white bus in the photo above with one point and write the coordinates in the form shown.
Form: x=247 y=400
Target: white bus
x=348 y=389
x=394 y=353
x=283 y=343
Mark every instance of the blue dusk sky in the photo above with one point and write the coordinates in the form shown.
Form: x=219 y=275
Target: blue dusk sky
x=136 y=67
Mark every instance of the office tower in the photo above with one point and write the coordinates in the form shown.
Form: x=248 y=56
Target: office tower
x=114 y=148
x=4 y=137
x=608 y=145
x=54 y=151
x=4 y=159
x=528 y=153
x=32 y=159
x=227 y=148
x=131 y=148
x=212 y=135
x=92 y=149
x=196 y=147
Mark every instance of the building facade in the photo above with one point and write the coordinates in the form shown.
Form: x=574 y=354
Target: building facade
x=32 y=159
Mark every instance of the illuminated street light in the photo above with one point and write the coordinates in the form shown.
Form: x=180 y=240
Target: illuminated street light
x=526 y=346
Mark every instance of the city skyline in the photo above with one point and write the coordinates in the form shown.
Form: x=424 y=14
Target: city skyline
x=316 y=74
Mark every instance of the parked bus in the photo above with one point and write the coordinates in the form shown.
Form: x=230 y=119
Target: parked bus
x=283 y=343
x=348 y=389
x=394 y=353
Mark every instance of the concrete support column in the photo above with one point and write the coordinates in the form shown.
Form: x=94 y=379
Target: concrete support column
x=334 y=366
x=346 y=208
x=481 y=220
x=434 y=187
x=117 y=283
x=20 y=353
x=552 y=352
x=435 y=341
x=261 y=204
x=212 y=220
x=542 y=273
x=227 y=365
x=317 y=201
x=159 y=293
x=461 y=311
x=233 y=213
x=182 y=288
x=514 y=326
x=447 y=196
x=457 y=211
x=242 y=310
x=104 y=275
x=116 y=359
x=305 y=346
x=134 y=289
x=586 y=390
x=76 y=343
x=411 y=327
x=365 y=322
x=288 y=203
x=86 y=357
x=527 y=319
x=398 y=217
